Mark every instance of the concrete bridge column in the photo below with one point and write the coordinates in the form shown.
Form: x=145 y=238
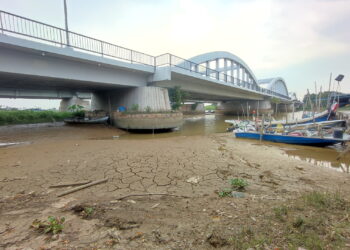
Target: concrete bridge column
x=142 y=99
x=66 y=102
x=235 y=107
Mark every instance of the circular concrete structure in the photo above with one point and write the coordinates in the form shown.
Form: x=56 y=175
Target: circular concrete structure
x=147 y=120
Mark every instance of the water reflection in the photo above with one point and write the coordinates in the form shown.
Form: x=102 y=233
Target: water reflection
x=198 y=125
x=322 y=157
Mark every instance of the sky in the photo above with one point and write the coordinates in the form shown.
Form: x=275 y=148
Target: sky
x=302 y=41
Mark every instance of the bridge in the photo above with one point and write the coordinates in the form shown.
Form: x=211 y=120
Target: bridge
x=39 y=60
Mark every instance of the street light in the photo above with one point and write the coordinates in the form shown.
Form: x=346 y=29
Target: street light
x=66 y=21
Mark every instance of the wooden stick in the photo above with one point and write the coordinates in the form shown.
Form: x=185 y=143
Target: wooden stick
x=70 y=184
x=130 y=195
x=82 y=187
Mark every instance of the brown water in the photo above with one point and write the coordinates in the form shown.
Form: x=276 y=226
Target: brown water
x=200 y=125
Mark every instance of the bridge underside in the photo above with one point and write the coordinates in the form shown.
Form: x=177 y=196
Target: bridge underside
x=206 y=90
x=29 y=86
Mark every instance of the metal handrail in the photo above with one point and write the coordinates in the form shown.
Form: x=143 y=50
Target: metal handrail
x=185 y=64
x=23 y=26
x=38 y=30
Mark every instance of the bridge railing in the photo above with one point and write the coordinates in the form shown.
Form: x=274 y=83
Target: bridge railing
x=31 y=29
x=175 y=61
x=22 y=26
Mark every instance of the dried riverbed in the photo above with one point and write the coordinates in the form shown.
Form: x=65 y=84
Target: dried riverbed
x=191 y=168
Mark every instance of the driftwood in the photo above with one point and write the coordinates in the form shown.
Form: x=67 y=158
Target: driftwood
x=82 y=187
x=130 y=195
x=70 y=184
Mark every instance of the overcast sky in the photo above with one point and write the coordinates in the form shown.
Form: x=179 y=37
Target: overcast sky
x=302 y=41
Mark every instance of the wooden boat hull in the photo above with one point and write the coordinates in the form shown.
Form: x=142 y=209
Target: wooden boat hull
x=298 y=140
x=82 y=121
x=318 y=118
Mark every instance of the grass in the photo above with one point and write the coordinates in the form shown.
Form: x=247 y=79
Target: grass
x=8 y=117
x=315 y=220
x=238 y=184
x=53 y=225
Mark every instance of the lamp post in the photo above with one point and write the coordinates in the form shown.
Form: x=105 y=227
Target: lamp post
x=66 y=21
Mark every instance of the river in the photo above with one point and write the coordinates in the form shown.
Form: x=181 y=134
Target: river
x=197 y=125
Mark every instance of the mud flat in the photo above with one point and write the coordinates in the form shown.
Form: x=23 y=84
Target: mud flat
x=288 y=203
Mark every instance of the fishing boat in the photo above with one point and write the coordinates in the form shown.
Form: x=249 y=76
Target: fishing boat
x=292 y=139
x=78 y=120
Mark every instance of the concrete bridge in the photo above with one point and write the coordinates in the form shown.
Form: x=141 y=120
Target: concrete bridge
x=39 y=60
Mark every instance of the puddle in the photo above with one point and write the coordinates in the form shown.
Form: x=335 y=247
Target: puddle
x=321 y=157
x=9 y=144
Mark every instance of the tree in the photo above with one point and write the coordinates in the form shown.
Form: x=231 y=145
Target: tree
x=177 y=97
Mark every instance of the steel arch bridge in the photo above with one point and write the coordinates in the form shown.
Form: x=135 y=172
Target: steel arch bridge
x=235 y=68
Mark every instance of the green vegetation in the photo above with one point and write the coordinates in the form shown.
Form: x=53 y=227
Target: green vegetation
x=238 y=184
x=194 y=106
x=87 y=212
x=225 y=192
x=210 y=107
x=8 y=117
x=135 y=107
x=53 y=225
x=77 y=110
x=315 y=220
x=177 y=97
x=148 y=109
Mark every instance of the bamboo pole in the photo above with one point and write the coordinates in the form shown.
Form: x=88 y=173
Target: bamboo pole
x=262 y=127
x=82 y=187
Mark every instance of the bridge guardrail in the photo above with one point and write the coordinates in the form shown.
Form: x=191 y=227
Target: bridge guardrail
x=175 y=61
x=22 y=26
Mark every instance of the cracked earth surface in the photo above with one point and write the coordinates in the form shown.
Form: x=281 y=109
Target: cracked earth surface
x=195 y=167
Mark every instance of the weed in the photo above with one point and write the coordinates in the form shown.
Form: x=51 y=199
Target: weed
x=8 y=117
x=148 y=109
x=281 y=212
x=238 y=184
x=88 y=211
x=135 y=107
x=324 y=200
x=53 y=225
x=298 y=222
x=225 y=192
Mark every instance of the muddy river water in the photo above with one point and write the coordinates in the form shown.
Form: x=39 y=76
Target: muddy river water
x=199 y=125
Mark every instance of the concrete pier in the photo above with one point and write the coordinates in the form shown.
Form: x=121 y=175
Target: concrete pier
x=146 y=108
x=66 y=102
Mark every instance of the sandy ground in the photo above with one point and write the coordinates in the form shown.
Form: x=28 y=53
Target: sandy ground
x=191 y=169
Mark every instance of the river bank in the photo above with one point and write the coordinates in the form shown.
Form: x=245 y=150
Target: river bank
x=277 y=209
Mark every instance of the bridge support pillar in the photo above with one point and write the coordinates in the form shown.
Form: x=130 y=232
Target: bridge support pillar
x=147 y=108
x=141 y=99
x=240 y=107
x=66 y=102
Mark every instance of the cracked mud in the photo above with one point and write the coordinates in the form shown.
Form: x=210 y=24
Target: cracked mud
x=196 y=167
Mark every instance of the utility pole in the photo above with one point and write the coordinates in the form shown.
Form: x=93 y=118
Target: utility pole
x=66 y=21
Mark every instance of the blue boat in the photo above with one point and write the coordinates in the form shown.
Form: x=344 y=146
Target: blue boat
x=320 y=117
x=289 y=139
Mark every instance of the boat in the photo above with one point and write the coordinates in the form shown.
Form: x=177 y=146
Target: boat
x=318 y=117
x=78 y=120
x=292 y=139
